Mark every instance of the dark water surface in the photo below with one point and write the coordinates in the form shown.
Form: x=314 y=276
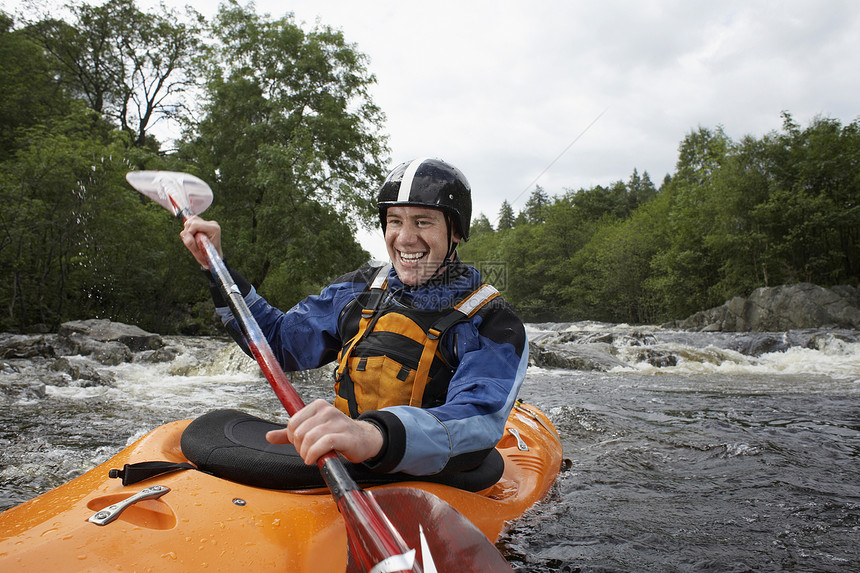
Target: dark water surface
x=721 y=458
x=665 y=477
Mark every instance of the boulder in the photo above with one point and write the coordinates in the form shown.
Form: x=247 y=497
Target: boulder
x=21 y=389
x=782 y=308
x=110 y=343
x=165 y=354
x=112 y=353
x=23 y=346
x=595 y=356
x=82 y=374
x=88 y=336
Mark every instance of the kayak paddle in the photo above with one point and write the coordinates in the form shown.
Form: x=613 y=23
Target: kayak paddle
x=414 y=521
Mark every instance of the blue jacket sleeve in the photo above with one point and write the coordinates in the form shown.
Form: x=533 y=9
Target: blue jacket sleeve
x=306 y=336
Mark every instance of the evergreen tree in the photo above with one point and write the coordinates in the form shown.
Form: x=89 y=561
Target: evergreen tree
x=640 y=190
x=535 y=209
x=506 y=217
x=481 y=225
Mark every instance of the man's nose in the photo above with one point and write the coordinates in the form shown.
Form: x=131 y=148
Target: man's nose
x=408 y=234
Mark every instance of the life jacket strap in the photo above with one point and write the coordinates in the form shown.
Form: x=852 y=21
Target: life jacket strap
x=464 y=310
x=377 y=292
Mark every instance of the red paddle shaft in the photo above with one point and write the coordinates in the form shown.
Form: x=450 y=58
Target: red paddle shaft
x=373 y=539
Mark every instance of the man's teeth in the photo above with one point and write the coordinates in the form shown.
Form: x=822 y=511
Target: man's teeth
x=411 y=257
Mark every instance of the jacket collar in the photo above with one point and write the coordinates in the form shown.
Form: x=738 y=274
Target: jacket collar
x=455 y=282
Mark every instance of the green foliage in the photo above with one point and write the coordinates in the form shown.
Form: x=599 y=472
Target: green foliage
x=506 y=217
x=130 y=66
x=684 y=268
x=28 y=91
x=535 y=209
x=481 y=225
x=76 y=241
x=290 y=144
x=733 y=217
x=288 y=137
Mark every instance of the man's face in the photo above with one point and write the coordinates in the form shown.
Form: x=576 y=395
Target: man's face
x=417 y=242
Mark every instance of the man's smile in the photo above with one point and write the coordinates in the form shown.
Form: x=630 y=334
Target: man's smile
x=411 y=257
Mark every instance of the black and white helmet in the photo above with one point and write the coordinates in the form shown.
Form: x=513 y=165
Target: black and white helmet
x=428 y=183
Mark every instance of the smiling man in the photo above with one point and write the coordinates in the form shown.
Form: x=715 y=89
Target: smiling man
x=429 y=359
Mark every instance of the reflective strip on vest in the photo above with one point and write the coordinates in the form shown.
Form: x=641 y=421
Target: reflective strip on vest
x=381 y=277
x=477 y=299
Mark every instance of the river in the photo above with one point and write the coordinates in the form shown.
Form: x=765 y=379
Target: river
x=691 y=452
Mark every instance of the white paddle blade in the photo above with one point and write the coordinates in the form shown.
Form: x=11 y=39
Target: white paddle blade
x=173 y=190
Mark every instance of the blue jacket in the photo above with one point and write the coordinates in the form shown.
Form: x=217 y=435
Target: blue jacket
x=491 y=350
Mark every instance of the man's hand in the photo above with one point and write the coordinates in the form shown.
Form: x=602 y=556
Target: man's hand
x=211 y=229
x=319 y=428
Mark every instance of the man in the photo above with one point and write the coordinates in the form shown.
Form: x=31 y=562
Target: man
x=421 y=388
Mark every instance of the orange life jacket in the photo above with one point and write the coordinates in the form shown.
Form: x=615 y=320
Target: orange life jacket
x=392 y=354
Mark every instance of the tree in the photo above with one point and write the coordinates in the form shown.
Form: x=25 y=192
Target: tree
x=686 y=270
x=291 y=143
x=130 y=66
x=506 y=217
x=28 y=92
x=289 y=140
x=535 y=209
x=783 y=208
x=810 y=216
x=43 y=219
x=77 y=242
x=481 y=225
x=599 y=201
x=640 y=190
x=614 y=267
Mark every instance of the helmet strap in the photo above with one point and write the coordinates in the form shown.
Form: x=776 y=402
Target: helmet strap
x=452 y=246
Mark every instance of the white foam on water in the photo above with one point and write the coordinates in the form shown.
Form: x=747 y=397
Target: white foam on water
x=839 y=361
x=652 y=349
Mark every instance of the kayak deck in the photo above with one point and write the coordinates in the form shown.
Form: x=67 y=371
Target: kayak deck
x=207 y=522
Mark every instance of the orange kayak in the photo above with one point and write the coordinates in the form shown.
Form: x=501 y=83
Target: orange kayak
x=190 y=520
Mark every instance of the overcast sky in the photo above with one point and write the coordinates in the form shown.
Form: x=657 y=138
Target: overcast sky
x=502 y=88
